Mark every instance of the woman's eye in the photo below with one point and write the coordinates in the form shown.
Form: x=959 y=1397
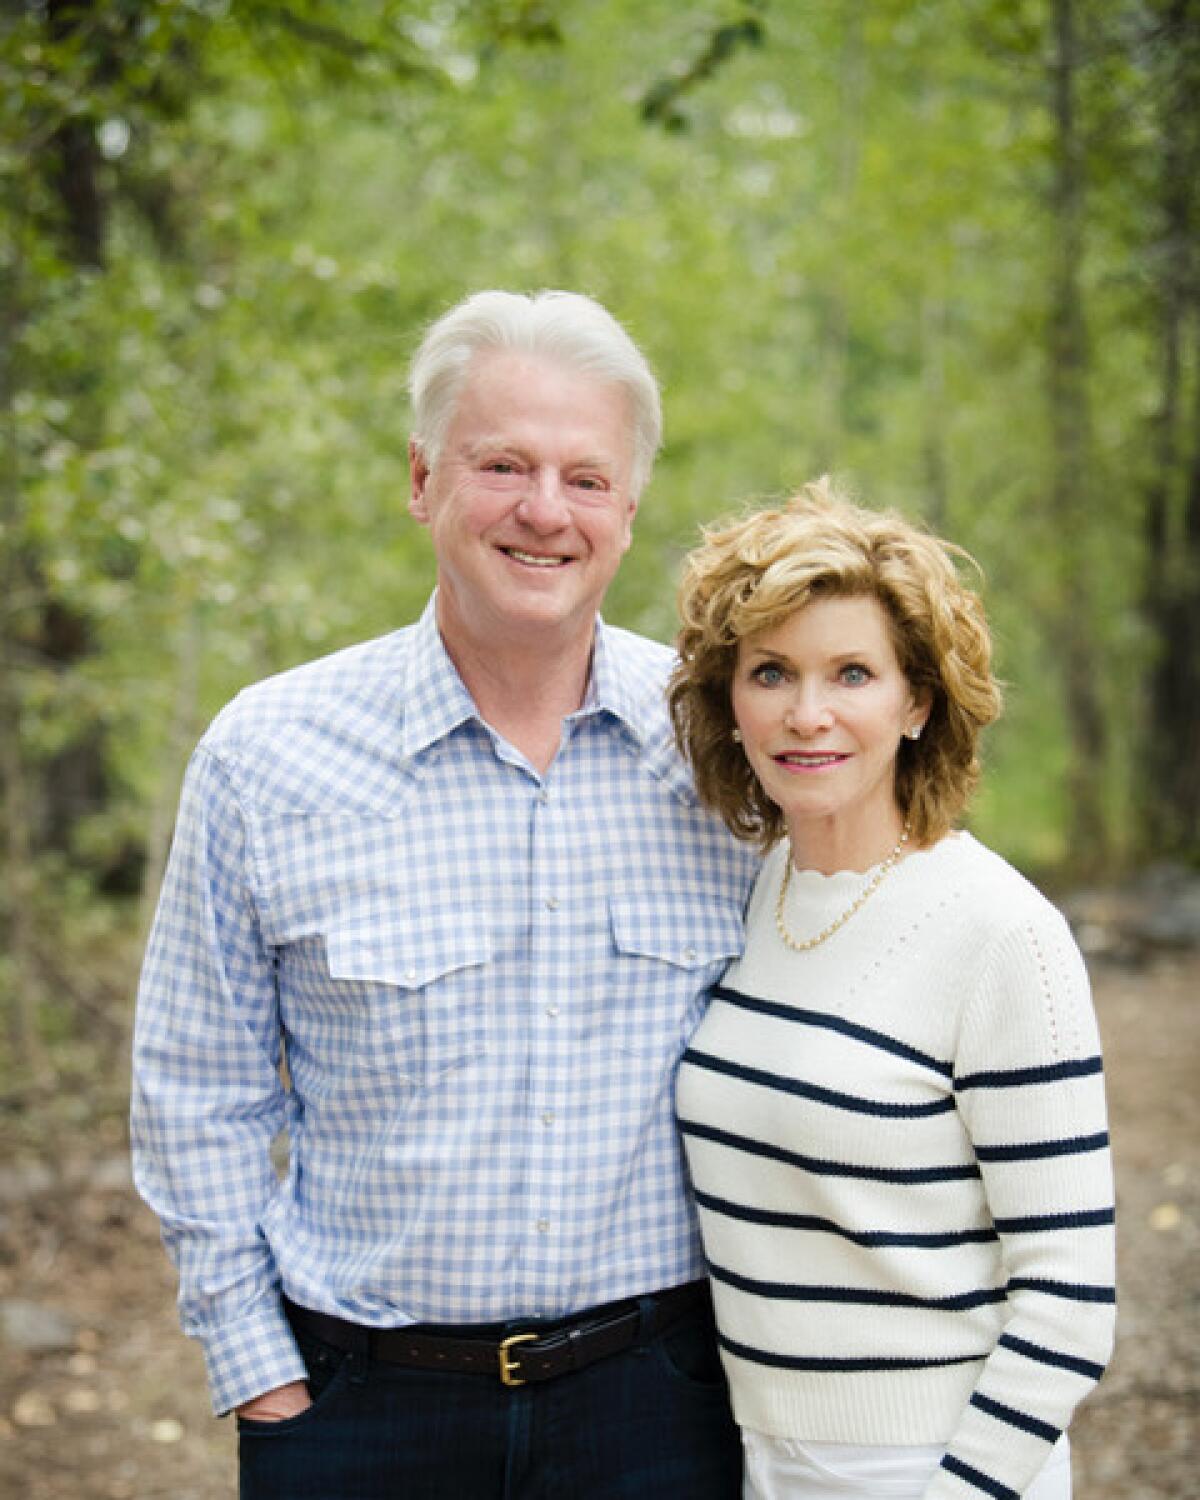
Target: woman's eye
x=768 y=674
x=855 y=676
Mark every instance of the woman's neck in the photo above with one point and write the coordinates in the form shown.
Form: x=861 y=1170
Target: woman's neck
x=834 y=844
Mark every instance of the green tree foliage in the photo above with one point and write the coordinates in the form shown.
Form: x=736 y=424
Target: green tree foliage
x=839 y=231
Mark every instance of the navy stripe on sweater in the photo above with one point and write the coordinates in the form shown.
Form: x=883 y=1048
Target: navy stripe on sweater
x=978 y=1480
x=779 y=1219
x=821 y=1167
x=1075 y=1145
x=840 y=1364
x=1008 y=1078
x=833 y=1023
x=1085 y=1218
x=1016 y=1418
x=1072 y=1290
x=1052 y=1357
x=786 y=1291
x=789 y=1291
x=852 y=1102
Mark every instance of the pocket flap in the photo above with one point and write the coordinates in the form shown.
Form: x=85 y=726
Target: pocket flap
x=411 y=950
x=687 y=931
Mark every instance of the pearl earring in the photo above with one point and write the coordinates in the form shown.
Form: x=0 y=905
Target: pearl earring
x=737 y=736
x=915 y=732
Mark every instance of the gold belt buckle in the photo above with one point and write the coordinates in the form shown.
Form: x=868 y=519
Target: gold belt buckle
x=509 y=1366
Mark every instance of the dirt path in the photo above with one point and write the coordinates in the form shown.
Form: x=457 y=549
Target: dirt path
x=1139 y=1436
x=119 y=1410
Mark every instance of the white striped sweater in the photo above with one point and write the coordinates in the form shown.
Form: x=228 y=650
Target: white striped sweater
x=899 y=1148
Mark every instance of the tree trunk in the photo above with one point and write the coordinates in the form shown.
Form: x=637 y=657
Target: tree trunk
x=933 y=410
x=1170 y=749
x=76 y=158
x=834 y=363
x=56 y=634
x=16 y=899
x=1071 y=497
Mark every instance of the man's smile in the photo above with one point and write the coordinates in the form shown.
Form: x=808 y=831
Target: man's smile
x=536 y=559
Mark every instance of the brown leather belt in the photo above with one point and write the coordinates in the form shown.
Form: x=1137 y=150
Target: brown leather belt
x=517 y=1355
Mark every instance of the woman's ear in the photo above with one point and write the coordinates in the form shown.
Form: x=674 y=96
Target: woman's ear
x=919 y=711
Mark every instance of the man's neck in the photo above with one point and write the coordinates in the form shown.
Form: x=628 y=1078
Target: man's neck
x=524 y=691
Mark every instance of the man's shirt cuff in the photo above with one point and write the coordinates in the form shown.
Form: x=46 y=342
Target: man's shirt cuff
x=253 y=1355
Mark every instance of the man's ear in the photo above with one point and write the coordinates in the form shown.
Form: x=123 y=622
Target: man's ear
x=629 y=515
x=419 y=471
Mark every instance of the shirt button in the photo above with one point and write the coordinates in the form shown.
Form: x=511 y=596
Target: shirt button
x=543 y=1226
x=551 y=903
x=543 y=797
x=689 y=954
x=552 y=1010
x=547 y=1117
x=411 y=975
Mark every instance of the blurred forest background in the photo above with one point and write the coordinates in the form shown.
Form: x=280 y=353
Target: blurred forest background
x=946 y=249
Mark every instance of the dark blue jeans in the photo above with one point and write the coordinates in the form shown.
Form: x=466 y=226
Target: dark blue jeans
x=653 y=1421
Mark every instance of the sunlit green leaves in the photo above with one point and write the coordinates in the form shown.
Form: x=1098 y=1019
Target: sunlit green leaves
x=842 y=261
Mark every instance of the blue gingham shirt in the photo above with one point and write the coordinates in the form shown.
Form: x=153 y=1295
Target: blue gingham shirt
x=481 y=978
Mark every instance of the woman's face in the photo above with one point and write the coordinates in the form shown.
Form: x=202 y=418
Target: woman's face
x=822 y=705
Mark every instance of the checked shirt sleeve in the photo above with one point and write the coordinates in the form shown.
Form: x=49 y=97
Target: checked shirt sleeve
x=1030 y=1090
x=207 y=1097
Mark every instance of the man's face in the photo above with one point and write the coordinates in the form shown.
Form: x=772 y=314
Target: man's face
x=529 y=503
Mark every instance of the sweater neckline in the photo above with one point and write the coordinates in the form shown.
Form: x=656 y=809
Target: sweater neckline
x=815 y=883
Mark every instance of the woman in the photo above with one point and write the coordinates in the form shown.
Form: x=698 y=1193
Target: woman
x=893 y=1110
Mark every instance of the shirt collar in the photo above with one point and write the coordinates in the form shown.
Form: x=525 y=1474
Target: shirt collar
x=436 y=700
x=611 y=689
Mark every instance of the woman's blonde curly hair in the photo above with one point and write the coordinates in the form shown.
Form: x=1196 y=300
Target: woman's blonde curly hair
x=752 y=573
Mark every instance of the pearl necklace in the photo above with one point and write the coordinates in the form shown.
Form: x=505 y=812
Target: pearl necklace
x=803 y=945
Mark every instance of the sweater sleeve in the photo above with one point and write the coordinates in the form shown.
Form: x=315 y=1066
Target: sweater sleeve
x=1029 y=1089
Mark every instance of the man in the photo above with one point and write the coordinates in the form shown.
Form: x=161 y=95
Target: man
x=459 y=879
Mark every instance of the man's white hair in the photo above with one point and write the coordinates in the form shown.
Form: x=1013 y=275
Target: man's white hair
x=565 y=326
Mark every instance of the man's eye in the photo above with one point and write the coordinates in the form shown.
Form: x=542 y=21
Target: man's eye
x=589 y=482
x=500 y=466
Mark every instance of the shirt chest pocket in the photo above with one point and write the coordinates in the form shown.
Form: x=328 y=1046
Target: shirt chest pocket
x=670 y=950
x=422 y=983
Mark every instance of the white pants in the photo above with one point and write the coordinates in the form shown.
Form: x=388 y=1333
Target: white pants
x=779 y=1469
